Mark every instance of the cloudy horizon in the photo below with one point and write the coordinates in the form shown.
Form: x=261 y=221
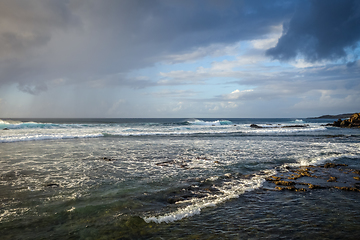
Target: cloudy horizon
x=179 y=59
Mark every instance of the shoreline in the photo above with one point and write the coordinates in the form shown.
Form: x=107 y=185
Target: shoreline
x=343 y=115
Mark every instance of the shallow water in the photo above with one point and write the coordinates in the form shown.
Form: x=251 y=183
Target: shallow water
x=171 y=179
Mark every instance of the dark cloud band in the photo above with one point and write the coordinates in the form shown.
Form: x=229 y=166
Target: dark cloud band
x=320 y=30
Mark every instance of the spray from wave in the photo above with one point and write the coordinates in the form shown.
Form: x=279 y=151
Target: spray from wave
x=208 y=123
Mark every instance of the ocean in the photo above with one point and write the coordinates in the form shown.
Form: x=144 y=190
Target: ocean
x=176 y=179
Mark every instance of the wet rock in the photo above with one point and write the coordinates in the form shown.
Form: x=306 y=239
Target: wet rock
x=301 y=173
x=313 y=186
x=211 y=189
x=337 y=123
x=327 y=176
x=348 y=189
x=248 y=176
x=273 y=178
x=332 y=179
x=53 y=185
x=166 y=163
x=352 y=122
x=173 y=200
x=287 y=126
x=335 y=136
x=181 y=164
x=108 y=159
x=284 y=183
x=333 y=165
x=295 y=126
x=228 y=175
x=5 y=129
x=291 y=188
x=255 y=126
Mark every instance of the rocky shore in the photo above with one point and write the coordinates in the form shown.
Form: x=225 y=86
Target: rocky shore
x=344 y=115
x=278 y=126
x=352 y=122
x=307 y=178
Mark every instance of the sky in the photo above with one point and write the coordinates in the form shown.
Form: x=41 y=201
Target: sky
x=179 y=58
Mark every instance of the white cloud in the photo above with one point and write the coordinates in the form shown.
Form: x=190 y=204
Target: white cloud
x=238 y=94
x=301 y=63
x=270 y=41
x=214 y=50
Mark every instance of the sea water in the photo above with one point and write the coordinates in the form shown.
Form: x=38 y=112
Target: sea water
x=170 y=179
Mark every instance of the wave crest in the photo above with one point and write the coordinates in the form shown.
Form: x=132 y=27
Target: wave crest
x=208 y=123
x=230 y=190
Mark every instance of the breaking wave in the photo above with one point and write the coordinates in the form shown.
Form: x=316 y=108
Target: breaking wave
x=208 y=123
x=231 y=189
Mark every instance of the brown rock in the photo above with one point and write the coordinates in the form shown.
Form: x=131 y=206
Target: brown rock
x=348 y=189
x=285 y=183
x=353 y=121
x=332 y=165
x=312 y=186
x=273 y=178
x=332 y=179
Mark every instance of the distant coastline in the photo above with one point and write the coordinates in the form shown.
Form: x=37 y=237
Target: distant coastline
x=344 y=115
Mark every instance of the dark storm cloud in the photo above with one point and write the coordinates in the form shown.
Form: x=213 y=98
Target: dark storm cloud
x=43 y=40
x=320 y=30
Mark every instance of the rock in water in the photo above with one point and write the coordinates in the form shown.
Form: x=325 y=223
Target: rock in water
x=352 y=122
x=53 y=185
x=255 y=126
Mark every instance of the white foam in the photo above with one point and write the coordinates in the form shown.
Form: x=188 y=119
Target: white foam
x=320 y=160
x=37 y=137
x=230 y=190
x=269 y=129
x=71 y=209
x=209 y=123
x=12 y=213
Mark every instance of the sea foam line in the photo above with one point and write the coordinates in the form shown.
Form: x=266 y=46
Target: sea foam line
x=229 y=191
x=322 y=159
x=10 y=139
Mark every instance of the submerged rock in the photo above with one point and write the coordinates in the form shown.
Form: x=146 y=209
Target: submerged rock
x=284 y=183
x=286 y=126
x=295 y=126
x=327 y=176
x=332 y=165
x=313 y=186
x=181 y=164
x=332 y=179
